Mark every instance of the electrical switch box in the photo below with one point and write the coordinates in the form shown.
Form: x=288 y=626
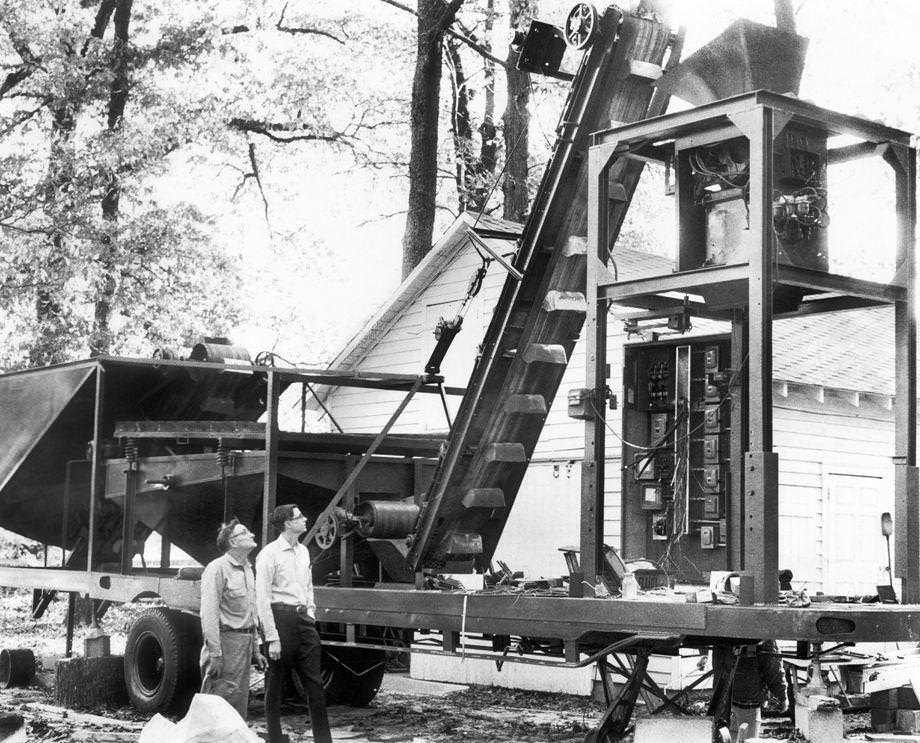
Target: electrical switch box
x=710 y=448
x=711 y=359
x=678 y=413
x=651 y=497
x=711 y=422
x=580 y=401
x=659 y=424
x=709 y=536
x=712 y=506
x=712 y=478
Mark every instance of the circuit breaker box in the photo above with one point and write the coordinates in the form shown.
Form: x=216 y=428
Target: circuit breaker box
x=676 y=454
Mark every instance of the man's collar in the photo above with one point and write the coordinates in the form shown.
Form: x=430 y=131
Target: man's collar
x=233 y=561
x=284 y=543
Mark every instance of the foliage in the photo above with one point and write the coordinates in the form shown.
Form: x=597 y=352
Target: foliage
x=203 y=87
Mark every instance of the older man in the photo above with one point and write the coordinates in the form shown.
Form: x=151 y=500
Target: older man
x=228 y=618
x=287 y=611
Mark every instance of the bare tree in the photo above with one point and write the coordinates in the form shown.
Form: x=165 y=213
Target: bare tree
x=475 y=167
x=101 y=339
x=516 y=121
x=785 y=15
x=434 y=17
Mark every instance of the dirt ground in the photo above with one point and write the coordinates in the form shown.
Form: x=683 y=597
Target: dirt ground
x=405 y=710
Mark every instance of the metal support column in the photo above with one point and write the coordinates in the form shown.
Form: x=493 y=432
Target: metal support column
x=738 y=445
x=128 y=520
x=95 y=482
x=761 y=488
x=907 y=488
x=270 y=486
x=595 y=334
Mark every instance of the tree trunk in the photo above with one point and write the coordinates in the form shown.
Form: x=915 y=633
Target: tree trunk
x=785 y=15
x=516 y=122
x=488 y=148
x=50 y=315
x=100 y=341
x=474 y=170
x=460 y=126
x=433 y=17
x=45 y=347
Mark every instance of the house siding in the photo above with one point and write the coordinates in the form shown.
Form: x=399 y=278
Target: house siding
x=817 y=433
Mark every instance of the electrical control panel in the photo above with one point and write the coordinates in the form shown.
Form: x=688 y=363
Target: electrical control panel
x=676 y=454
x=713 y=200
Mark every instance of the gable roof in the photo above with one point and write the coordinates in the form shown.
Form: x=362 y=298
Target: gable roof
x=498 y=232
x=852 y=350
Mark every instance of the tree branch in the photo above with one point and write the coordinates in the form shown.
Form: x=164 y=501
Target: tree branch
x=302 y=30
x=478 y=48
x=258 y=179
x=22 y=116
x=269 y=129
x=29 y=64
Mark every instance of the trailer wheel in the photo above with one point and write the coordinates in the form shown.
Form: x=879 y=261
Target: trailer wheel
x=351 y=676
x=161 y=660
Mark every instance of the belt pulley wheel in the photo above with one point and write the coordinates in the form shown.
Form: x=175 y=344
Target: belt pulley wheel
x=328 y=530
x=581 y=25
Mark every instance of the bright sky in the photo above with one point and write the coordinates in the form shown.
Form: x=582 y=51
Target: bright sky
x=857 y=63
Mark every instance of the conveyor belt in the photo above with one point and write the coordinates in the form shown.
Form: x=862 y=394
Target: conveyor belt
x=537 y=320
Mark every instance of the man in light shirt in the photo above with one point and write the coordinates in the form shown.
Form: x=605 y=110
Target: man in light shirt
x=228 y=619
x=287 y=611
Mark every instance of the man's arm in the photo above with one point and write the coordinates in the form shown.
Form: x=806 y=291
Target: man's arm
x=311 y=600
x=265 y=571
x=211 y=589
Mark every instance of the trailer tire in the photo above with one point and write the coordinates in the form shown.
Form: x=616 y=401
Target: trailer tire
x=161 y=660
x=351 y=676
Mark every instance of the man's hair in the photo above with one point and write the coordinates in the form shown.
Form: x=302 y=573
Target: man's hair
x=224 y=534
x=282 y=514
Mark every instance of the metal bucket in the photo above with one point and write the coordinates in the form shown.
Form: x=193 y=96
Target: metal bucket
x=17 y=667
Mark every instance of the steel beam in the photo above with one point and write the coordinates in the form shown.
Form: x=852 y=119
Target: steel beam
x=595 y=334
x=713 y=114
x=270 y=481
x=903 y=160
x=95 y=482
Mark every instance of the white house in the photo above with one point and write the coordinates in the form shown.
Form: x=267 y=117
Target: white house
x=833 y=423
x=833 y=430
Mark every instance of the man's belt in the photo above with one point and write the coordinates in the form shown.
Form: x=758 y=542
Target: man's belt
x=302 y=610
x=250 y=630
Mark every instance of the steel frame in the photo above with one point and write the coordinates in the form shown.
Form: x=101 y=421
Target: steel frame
x=760 y=117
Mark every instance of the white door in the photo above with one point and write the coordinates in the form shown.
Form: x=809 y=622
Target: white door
x=855 y=550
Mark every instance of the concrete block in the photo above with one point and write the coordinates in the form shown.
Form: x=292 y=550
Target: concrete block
x=883 y=720
x=90 y=682
x=907 y=698
x=665 y=727
x=821 y=724
x=887 y=699
x=908 y=720
x=97 y=646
